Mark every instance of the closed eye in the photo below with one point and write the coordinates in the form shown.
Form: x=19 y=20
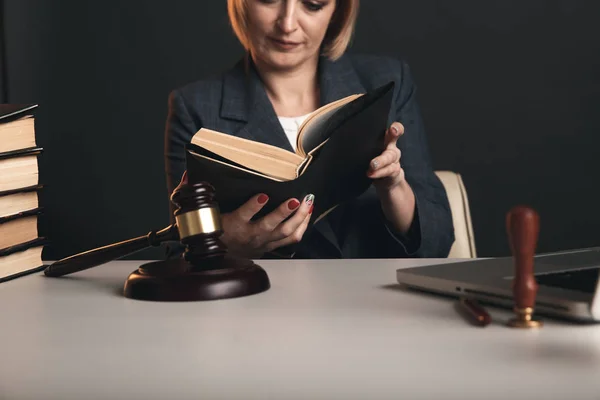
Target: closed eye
x=313 y=5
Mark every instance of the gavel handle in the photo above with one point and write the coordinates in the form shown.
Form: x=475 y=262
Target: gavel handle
x=101 y=255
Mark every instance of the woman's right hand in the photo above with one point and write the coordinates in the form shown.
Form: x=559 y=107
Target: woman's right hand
x=252 y=239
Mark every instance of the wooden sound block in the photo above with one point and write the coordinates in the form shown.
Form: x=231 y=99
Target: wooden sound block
x=218 y=277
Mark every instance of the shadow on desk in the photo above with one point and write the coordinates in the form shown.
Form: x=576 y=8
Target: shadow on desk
x=108 y=285
x=406 y=289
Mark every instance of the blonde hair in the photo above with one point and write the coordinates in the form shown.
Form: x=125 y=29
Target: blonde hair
x=336 y=39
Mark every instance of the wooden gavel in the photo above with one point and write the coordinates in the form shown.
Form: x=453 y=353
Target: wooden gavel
x=205 y=272
x=522 y=227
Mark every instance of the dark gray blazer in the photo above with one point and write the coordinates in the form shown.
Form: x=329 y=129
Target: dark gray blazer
x=236 y=103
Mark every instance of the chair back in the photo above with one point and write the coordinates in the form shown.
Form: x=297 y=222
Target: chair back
x=464 y=242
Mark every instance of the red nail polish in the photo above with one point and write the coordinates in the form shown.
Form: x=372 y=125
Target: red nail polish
x=293 y=204
x=311 y=209
x=262 y=199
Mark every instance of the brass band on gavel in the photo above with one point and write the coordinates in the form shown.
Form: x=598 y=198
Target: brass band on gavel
x=195 y=222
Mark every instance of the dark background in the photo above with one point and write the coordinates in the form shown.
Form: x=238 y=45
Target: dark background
x=510 y=92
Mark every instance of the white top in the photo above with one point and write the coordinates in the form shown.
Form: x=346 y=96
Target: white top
x=327 y=329
x=290 y=126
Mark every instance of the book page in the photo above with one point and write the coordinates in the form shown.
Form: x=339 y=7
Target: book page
x=312 y=132
x=303 y=167
x=248 y=145
x=266 y=159
x=21 y=261
x=17 y=134
x=236 y=167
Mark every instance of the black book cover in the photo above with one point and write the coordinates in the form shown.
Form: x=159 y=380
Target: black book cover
x=23 y=246
x=10 y=112
x=21 y=152
x=23 y=273
x=337 y=172
x=22 y=214
x=32 y=188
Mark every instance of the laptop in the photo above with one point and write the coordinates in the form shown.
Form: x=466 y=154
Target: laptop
x=568 y=283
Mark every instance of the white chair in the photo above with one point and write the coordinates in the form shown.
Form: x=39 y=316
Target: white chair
x=464 y=243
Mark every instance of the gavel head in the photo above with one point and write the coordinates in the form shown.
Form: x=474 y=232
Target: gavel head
x=198 y=220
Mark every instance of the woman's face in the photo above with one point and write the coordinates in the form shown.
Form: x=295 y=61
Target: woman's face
x=286 y=33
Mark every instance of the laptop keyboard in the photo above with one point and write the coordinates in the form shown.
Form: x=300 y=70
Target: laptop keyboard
x=582 y=280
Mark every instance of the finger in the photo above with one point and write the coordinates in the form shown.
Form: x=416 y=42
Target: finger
x=182 y=182
x=290 y=226
x=388 y=171
x=389 y=156
x=395 y=130
x=295 y=237
x=269 y=222
x=392 y=146
x=249 y=209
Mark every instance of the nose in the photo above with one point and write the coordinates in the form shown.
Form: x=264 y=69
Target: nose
x=288 y=21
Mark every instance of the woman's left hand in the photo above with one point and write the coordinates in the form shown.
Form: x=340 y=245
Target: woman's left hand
x=385 y=169
x=396 y=195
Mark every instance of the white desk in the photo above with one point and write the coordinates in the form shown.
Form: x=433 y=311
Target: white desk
x=325 y=330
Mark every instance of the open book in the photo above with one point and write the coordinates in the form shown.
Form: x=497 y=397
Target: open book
x=334 y=147
x=272 y=161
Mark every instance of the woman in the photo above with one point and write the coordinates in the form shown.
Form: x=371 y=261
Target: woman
x=295 y=63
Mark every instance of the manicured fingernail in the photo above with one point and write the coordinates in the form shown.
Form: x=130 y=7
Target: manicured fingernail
x=309 y=198
x=374 y=164
x=312 y=207
x=394 y=130
x=293 y=204
x=262 y=199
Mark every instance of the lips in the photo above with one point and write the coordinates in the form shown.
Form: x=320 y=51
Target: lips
x=284 y=43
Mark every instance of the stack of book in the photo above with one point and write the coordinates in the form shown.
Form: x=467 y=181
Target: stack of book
x=20 y=243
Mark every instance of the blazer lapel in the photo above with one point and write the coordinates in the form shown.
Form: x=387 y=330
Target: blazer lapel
x=338 y=79
x=245 y=99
